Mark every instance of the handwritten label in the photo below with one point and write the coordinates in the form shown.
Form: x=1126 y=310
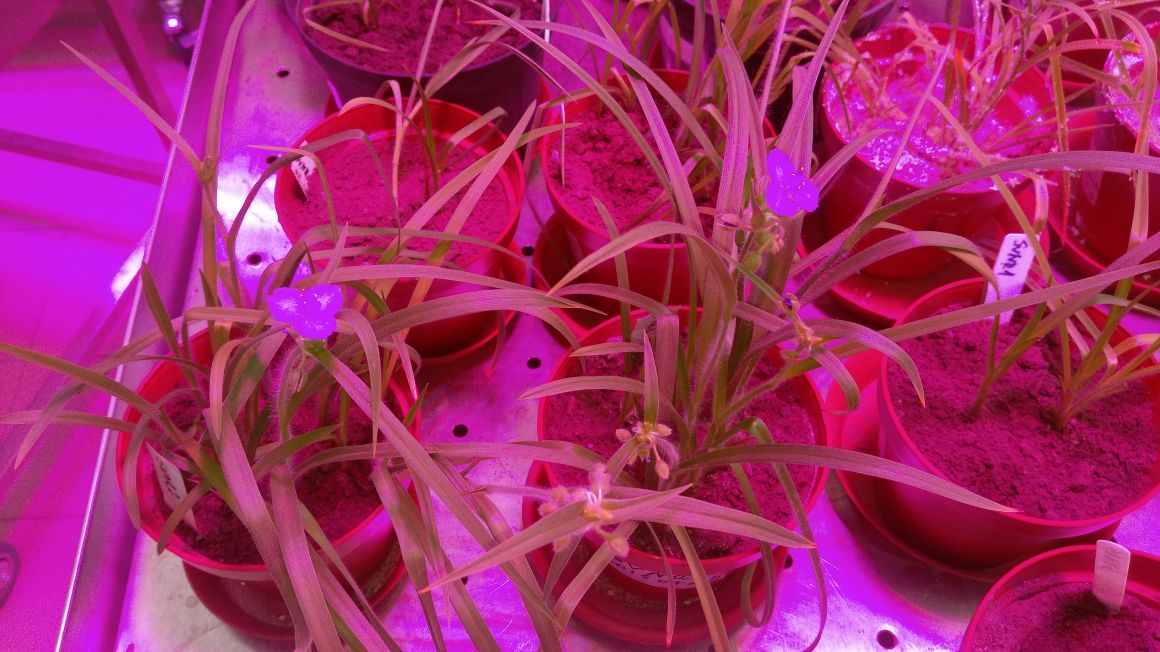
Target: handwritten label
x=172 y=483
x=1011 y=269
x=653 y=578
x=1112 y=561
x=302 y=169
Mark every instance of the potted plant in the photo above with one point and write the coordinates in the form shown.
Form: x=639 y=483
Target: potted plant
x=438 y=184
x=1053 y=414
x=1047 y=602
x=367 y=45
x=604 y=174
x=915 y=130
x=660 y=427
x=595 y=169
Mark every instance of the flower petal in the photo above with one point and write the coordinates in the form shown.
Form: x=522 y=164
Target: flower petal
x=327 y=297
x=285 y=303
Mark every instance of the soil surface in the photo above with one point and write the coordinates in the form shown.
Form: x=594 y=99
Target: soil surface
x=1048 y=613
x=590 y=418
x=601 y=161
x=361 y=199
x=1012 y=452
x=340 y=495
x=402 y=29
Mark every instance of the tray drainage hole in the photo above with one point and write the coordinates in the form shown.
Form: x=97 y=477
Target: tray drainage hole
x=254 y=259
x=534 y=363
x=459 y=430
x=528 y=250
x=282 y=72
x=788 y=561
x=887 y=639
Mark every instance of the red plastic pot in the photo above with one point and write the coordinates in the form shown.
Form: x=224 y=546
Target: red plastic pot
x=962 y=210
x=1105 y=200
x=643 y=572
x=646 y=262
x=449 y=337
x=1071 y=564
x=964 y=536
x=362 y=550
x=506 y=80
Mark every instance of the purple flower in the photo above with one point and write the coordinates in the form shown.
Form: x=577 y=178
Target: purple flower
x=790 y=190
x=311 y=312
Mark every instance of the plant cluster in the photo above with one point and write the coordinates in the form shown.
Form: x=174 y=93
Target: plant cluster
x=327 y=340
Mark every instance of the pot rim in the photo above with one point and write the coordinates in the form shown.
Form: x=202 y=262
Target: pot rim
x=737 y=559
x=927 y=466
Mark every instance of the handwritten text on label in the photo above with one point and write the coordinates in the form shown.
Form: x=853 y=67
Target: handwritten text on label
x=1011 y=268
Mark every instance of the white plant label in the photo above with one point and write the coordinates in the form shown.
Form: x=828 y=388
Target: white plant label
x=302 y=169
x=1011 y=269
x=172 y=483
x=1111 y=580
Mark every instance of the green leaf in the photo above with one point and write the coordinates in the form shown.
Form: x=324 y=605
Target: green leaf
x=566 y=521
x=705 y=593
x=298 y=559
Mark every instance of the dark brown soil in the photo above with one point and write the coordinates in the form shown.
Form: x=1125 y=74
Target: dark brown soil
x=339 y=495
x=1050 y=614
x=402 y=28
x=601 y=161
x=362 y=200
x=591 y=418
x=1012 y=453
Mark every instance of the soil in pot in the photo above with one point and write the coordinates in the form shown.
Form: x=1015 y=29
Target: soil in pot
x=361 y=199
x=599 y=160
x=340 y=495
x=590 y=419
x=402 y=28
x=1051 y=613
x=1012 y=452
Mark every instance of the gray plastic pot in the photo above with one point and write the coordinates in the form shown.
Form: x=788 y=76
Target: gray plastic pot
x=506 y=81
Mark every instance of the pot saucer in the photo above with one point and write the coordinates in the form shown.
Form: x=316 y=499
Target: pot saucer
x=882 y=301
x=858 y=432
x=262 y=613
x=1074 y=249
x=611 y=608
x=552 y=259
